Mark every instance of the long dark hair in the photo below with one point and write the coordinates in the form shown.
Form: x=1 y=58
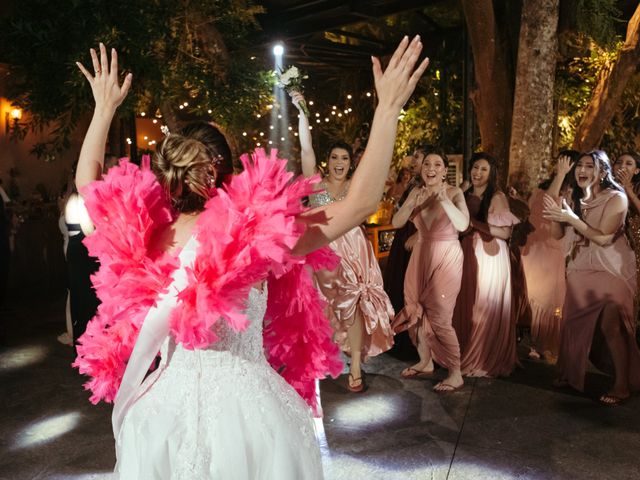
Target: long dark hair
x=492 y=184
x=574 y=155
x=603 y=164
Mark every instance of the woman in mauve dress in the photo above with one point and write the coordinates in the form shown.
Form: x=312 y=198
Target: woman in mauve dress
x=433 y=277
x=598 y=321
x=359 y=309
x=482 y=318
x=543 y=260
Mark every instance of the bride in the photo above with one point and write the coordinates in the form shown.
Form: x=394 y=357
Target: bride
x=192 y=260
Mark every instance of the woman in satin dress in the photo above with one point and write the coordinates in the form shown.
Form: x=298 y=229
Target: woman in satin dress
x=359 y=308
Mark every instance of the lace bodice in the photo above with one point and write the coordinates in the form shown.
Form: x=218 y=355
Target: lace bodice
x=231 y=345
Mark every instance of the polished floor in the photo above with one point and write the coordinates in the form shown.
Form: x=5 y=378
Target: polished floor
x=516 y=428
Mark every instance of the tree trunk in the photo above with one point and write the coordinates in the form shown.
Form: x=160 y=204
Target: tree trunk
x=533 y=119
x=609 y=90
x=493 y=95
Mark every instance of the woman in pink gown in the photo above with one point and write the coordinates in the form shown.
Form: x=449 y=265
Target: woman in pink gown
x=598 y=321
x=482 y=317
x=359 y=309
x=543 y=260
x=433 y=277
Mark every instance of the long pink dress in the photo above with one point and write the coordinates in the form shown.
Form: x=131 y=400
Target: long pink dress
x=597 y=276
x=431 y=287
x=543 y=261
x=482 y=318
x=355 y=286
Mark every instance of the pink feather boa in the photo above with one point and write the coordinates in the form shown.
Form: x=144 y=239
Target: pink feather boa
x=245 y=235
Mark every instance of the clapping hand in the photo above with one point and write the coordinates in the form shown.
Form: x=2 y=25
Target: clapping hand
x=556 y=213
x=396 y=84
x=441 y=194
x=105 y=85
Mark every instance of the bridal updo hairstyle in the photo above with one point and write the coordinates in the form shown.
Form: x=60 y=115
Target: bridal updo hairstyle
x=190 y=164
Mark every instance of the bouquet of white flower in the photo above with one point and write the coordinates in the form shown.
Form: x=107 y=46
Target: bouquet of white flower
x=291 y=81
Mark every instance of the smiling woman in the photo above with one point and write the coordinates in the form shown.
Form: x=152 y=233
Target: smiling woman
x=359 y=309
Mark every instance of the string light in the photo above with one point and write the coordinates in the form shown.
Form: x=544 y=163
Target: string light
x=326 y=119
x=339 y=114
x=318 y=121
x=262 y=134
x=270 y=142
x=181 y=107
x=290 y=128
x=295 y=134
x=209 y=112
x=142 y=114
x=271 y=127
x=310 y=127
x=279 y=116
x=310 y=102
x=349 y=96
x=258 y=115
x=317 y=114
x=368 y=94
x=154 y=121
x=282 y=139
x=334 y=107
x=186 y=104
x=244 y=134
x=333 y=112
x=258 y=144
x=145 y=137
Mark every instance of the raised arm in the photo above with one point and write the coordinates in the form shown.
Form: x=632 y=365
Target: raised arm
x=563 y=167
x=394 y=87
x=108 y=95
x=307 y=155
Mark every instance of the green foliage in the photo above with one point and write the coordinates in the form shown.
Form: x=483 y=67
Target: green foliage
x=597 y=19
x=430 y=119
x=168 y=45
x=575 y=81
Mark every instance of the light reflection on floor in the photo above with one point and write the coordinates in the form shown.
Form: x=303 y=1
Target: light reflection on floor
x=21 y=357
x=366 y=412
x=46 y=430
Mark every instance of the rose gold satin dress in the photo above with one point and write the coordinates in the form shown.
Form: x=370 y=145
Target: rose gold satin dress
x=543 y=261
x=482 y=318
x=431 y=287
x=355 y=286
x=597 y=276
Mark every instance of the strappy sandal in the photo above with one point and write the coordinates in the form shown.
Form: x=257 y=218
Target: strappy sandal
x=355 y=388
x=446 y=388
x=411 y=372
x=610 y=400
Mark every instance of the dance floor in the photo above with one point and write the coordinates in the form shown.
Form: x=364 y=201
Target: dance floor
x=516 y=428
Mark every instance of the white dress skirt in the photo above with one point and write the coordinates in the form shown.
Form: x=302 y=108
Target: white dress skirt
x=219 y=413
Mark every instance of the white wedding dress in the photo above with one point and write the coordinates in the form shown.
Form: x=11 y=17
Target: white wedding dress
x=219 y=413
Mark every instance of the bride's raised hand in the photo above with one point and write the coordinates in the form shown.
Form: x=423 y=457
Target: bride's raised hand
x=105 y=85
x=395 y=85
